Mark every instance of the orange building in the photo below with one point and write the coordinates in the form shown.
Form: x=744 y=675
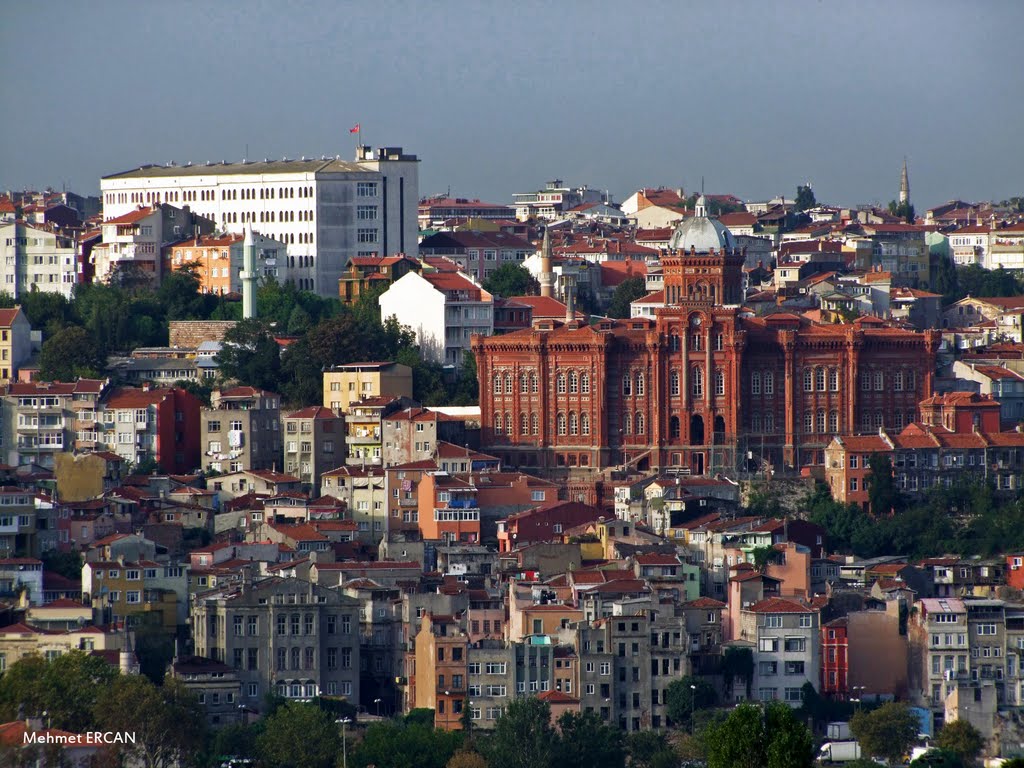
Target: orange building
x=449 y=505
x=442 y=648
x=209 y=258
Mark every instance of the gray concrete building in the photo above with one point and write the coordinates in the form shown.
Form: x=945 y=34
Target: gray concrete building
x=241 y=430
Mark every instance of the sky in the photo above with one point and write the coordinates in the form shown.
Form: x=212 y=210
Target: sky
x=498 y=97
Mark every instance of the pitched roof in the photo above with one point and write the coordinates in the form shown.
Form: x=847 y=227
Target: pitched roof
x=313 y=412
x=778 y=605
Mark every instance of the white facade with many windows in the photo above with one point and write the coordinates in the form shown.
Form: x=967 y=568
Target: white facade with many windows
x=325 y=210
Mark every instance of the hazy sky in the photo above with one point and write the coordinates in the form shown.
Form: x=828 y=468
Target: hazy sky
x=497 y=97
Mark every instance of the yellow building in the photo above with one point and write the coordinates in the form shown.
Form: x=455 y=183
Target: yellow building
x=346 y=384
x=125 y=591
x=20 y=640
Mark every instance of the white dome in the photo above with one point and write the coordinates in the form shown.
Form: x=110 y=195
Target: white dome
x=701 y=233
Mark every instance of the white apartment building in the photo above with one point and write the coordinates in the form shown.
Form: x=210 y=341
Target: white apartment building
x=969 y=245
x=34 y=258
x=325 y=210
x=554 y=200
x=444 y=310
x=788 y=651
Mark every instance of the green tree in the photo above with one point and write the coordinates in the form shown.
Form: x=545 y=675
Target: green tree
x=685 y=696
x=67 y=564
x=961 y=738
x=47 y=312
x=645 y=748
x=467 y=758
x=420 y=716
x=939 y=758
x=21 y=691
x=410 y=744
x=904 y=210
x=511 y=279
x=299 y=736
x=251 y=356
x=629 y=290
x=737 y=663
x=65 y=688
x=467 y=390
x=585 y=741
x=883 y=495
x=236 y=740
x=752 y=737
x=944 y=278
x=805 y=197
x=523 y=736
x=181 y=298
x=68 y=355
x=299 y=321
x=886 y=732
x=762 y=558
x=168 y=722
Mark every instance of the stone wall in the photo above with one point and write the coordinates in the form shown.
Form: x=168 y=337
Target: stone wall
x=190 y=333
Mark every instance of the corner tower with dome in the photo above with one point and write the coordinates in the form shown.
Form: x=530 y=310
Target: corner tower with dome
x=703 y=264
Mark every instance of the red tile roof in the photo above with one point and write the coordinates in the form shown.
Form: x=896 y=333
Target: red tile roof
x=313 y=412
x=778 y=605
x=131 y=218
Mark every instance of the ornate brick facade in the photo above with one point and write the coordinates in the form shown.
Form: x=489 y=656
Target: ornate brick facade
x=704 y=386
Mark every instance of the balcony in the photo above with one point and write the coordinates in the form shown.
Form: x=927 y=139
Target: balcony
x=364 y=439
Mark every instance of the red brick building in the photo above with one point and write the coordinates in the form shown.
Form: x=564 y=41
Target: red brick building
x=704 y=385
x=835 y=664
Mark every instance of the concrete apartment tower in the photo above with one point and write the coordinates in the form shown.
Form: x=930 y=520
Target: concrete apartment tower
x=248 y=275
x=547 y=275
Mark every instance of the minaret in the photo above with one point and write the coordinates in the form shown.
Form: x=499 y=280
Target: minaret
x=248 y=275
x=547 y=275
x=905 y=184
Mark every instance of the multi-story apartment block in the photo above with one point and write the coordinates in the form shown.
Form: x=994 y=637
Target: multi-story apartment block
x=444 y=310
x=366 y=273
x=126 y=591
x=362 y=489
x=554 y=200
x=134 y=237
x=348 y=384
x=402 y=495
x=153 y=423
x=36 y=258
x=325 y=210
x=22 y=574
x=41 y=419
x=283 y=636
x=436 y=211
x=215 y=686
x=787 y=647
x=414 y=434
x=312 y=443
x=626 y=663
x=478 y=254
x=452 y=673
x=217 y=261
x=380 y=649
x=364 y=423
x=241 y=430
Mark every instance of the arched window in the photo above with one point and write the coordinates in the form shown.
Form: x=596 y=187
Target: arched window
x=673 y=342
x=808 y=380
x=910 y=380
x=508 y=383
x=769 y=384
x=865 y=421
x=833 y=422
x=879 y=381
x=560 y=383
x=560 y=423
x=534 y=425
x=673 y=383
x=524 y=425
x=533 y=382
x=755 y=422
x=697 y=386
x=719 y=382
x=808 y=422
x=639 y=384
x=833 y=379
x=585 y=423
x=769 y=423
x=585 y=383
x=819 y=379
x=821 y=420
x=508 y=424
x=897 y=381
x=879 y=420
x=498 y=423
x=755 y=383
x=639 y=423
x=627 y=384
x=497 y=384
x=627 y=424
x=574 y=425
x=574 y=383
x=524 y=385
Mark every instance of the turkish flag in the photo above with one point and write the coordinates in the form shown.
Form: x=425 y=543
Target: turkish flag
x=354 y=129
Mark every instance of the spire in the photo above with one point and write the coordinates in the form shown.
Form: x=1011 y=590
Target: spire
x=248 y=274
x=905 y=183
x=547 y=275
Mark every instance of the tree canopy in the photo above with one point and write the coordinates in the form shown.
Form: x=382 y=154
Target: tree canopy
x=299 y=735
x=414 y=743
x=755 y=737
x=887 y=732
x=805 y=197
x=629 y=290
x=685 y=696
x=962 y=739
x=523 y=736
x=511 y=279
x=66 y=688
x=585 y=741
